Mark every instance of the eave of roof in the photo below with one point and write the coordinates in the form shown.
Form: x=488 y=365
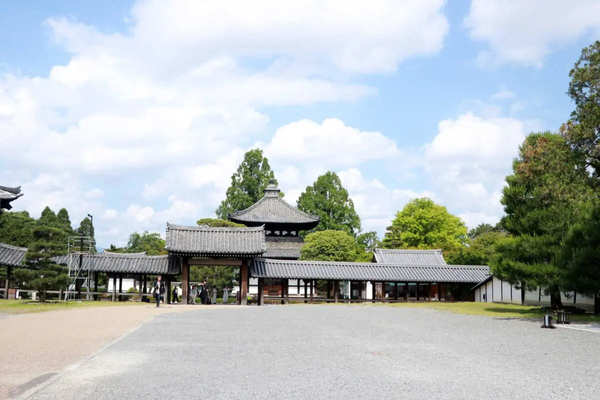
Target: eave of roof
x=221 y=241
x=12 y=256
x=269 y=268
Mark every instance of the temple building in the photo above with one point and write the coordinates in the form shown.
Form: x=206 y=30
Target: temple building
x=282 y=223
x=8 y=194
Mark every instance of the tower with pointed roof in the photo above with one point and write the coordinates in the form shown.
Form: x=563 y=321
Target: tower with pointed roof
x=282 y=223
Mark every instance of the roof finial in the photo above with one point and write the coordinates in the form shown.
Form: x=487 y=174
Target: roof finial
x=272 y=190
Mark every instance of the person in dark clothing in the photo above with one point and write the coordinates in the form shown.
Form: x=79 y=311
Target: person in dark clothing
x=204 y=294
x=175 y=296
x=158 y=290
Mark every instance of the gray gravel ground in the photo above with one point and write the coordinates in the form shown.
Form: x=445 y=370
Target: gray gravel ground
x=337 y=352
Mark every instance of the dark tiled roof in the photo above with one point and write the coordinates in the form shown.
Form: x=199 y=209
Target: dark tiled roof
x=8 y=194
x=133 y=263
x=12 y=255
x=267 y=268
x=409 y=257
x=208 y=241
x=271 y=209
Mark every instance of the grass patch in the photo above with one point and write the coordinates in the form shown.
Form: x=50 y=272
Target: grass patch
x=495 y=310
x=28 y=306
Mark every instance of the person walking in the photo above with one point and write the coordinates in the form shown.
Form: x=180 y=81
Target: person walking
x=175 y=298
x=158 y=290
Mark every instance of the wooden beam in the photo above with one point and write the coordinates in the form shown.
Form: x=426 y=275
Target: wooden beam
x=215 y=261
x=244 y=282
x=185 y=280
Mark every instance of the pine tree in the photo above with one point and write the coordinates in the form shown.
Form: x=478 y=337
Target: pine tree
x=329 y=200
x=248 y=183
x=41 y=273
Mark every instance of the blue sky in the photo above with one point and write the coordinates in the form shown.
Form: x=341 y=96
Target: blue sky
x=138 y=112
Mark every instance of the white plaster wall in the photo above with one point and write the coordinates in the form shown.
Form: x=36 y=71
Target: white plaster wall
x=369 y=291
x=127 y=284
x=490 y=291
x=497 y=289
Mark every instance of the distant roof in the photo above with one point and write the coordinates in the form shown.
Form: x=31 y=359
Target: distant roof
x=271 y=209
x=268 y=268
x=133 y=263
x=409 y=257
x=8 y=194
x=208 y=241
x=12 y=256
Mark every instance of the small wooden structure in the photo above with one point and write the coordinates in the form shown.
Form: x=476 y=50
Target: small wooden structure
x=10 y=257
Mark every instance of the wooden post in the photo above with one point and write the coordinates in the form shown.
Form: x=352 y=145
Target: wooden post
x=336 y=291
x=305 y=290
x=95 y=285
x=312 y=284
x=406 y=291
x=261 y=291
x=244 y=282
x=168 y=290
x=285 y=291
x=120 y=287
x=7 y=284
x=328 y=289
x=114 y=292
x=185 y=280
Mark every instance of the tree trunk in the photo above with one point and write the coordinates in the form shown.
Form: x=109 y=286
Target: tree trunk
x=555 y=300
x=597 y=303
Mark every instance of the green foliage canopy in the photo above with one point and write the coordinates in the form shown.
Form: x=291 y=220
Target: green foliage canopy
x=545 y=195
x=49 y=239
x=331 y=245
x=422 y=224
x=248 y=183
x=329 y=200
x=16 y=228
x=218 y=223
x=582 y=131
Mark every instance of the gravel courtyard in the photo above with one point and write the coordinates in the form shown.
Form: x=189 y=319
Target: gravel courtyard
x=336 y=352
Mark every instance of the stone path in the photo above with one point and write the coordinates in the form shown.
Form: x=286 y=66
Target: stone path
x=337 y=352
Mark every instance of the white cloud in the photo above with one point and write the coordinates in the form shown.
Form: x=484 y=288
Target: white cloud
x=468 y=160
x=330 y=144
x=376 y=203
x=525 y=32
x=349 y=35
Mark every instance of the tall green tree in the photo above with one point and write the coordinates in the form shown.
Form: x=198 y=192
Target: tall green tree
x=422 y=224
x=151 y=243
x=546 y=193
x=64 y=221
x=581 y=255
x=582 y=131
x=41 y=273
x=16 y=228
x=248 y=183
x=86 y=228
x=329 y=200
